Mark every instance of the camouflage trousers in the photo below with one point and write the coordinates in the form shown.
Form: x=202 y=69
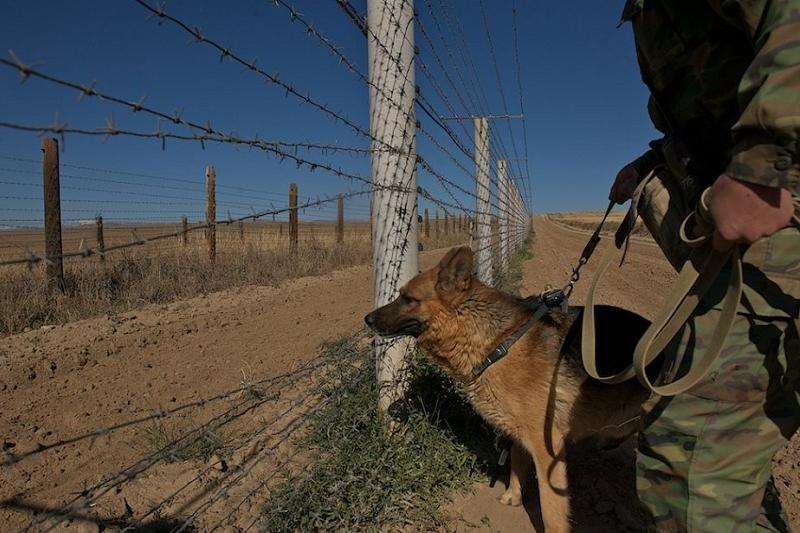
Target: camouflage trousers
x=705 y=457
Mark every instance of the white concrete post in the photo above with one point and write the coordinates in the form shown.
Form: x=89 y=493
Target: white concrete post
x=518 y=213
x=522 y=217
x=394 y=199
x=483 y=206
x=504 y=214
x=512 y=218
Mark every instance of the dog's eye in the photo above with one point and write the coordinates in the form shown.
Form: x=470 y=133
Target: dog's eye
x=407 y=300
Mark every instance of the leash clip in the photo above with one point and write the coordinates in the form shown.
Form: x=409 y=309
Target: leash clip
x=553 y=298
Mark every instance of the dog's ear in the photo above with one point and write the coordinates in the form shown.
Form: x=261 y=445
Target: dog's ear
x=455 y=270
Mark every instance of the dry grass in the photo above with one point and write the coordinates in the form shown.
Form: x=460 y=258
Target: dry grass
x=163 y=435
x=169 y=271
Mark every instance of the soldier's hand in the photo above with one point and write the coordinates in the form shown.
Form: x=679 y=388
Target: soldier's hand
x=745 y=212
x=624 y=185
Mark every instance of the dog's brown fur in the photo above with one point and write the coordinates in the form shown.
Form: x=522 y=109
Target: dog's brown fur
x=538 y=394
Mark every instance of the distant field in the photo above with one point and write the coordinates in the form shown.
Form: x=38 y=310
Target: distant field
x=169 y=269
x=260 y=234
x=588 y=221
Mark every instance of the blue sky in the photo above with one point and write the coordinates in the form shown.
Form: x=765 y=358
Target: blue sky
x=583 y=97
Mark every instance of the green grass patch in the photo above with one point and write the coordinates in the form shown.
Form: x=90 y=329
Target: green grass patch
x=510 y=281
x=370 y=478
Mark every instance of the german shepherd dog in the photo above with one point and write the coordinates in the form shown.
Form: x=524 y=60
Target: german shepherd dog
x=538 y=394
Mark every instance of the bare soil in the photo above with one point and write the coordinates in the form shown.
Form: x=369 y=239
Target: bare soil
x=61 y=382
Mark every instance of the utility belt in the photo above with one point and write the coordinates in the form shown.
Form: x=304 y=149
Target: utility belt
x=674 y=208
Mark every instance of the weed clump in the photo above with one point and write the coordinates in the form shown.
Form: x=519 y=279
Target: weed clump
x=373 y=475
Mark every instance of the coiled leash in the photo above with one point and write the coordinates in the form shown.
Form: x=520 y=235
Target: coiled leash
x=696 y=276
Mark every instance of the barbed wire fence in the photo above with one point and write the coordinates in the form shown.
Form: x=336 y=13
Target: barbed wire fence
x=487 y=207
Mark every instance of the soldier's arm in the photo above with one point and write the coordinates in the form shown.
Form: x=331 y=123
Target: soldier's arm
x=767 y=150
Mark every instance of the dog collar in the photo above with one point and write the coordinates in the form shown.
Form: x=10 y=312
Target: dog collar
x=501 y=351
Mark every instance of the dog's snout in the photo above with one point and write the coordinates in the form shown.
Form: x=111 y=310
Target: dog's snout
x=370 y=319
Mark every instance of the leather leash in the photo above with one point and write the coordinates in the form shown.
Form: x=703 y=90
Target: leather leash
x=695 y=278
x=554 y=298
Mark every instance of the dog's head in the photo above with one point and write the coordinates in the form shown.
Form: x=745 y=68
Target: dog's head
x=429 y=296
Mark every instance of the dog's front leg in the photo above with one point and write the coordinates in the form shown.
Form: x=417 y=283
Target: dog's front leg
x=551 y=471
x=521 y=472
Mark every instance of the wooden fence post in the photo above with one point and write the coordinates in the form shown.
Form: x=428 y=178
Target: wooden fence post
x=427 y=224
x=436 y=224
x=184 y=230
x=340 y=219
x=52 y=213
x=446 y=223
x=101 y=241
x=211 y=213
x=293 y=217
x=241 y=230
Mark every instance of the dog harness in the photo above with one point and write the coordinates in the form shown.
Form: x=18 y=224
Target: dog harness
x=541 y=306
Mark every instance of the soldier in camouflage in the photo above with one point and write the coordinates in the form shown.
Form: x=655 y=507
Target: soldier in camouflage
x=724 y=77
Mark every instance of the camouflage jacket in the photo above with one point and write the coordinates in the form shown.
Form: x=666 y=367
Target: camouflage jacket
x=724 y=77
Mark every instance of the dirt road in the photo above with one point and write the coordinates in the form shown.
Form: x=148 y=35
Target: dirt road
x=80 y=379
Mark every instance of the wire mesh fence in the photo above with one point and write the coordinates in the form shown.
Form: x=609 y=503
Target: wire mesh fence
x=203 y=459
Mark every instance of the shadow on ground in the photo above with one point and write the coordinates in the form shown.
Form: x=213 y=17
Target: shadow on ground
x=67 y=517
x=601 y=482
